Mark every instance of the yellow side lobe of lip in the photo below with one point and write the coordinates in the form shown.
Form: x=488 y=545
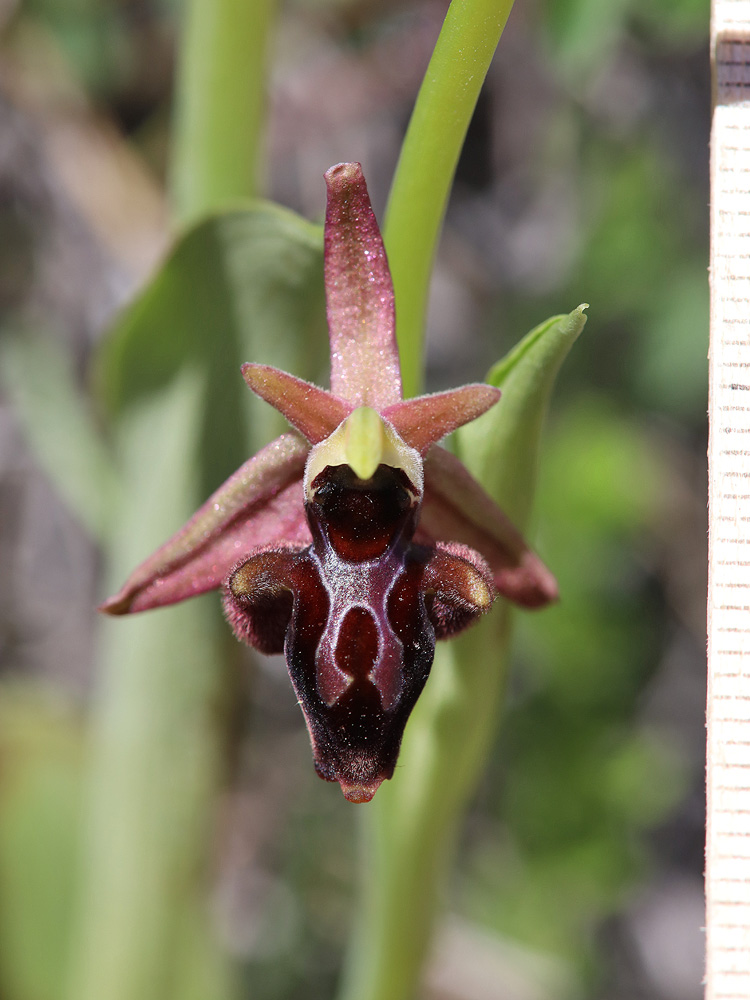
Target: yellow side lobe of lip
x=364 y=441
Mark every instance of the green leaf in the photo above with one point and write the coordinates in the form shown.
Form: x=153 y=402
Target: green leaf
x=244 y=285
x=219 y=103
x=501 y=447
x=41 y=765
x=427 y=163
x=57 y=420
x=413 y=821
x=156 y=738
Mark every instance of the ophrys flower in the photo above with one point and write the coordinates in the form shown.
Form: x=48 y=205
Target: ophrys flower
x=355 y=541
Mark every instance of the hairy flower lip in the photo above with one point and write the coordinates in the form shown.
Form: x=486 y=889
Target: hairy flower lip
x=421 y=570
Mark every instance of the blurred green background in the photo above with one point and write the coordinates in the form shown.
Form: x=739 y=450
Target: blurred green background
x=584 y=178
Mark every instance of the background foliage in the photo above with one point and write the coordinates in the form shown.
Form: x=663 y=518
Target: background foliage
x=583 y=178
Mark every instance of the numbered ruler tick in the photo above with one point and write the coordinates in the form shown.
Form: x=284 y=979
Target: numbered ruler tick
x=728 y=708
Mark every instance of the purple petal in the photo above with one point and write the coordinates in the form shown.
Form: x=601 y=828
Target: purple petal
x=260 y=503
x=422 y=422
x=313 y=411
x=457 y=509
x=359 y=295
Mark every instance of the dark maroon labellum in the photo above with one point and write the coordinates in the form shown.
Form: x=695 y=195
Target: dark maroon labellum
x=356 y=613
x=359 y=641
x=358 y=672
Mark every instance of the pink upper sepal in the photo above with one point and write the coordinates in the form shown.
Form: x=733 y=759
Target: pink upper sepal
x=423 y=421
x=263 y=499
x=456 y=508
x=359 y=295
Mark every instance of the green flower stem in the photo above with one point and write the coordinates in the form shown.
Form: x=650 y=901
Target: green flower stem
x=220 y=104
x=429 y=155
x=411 y=826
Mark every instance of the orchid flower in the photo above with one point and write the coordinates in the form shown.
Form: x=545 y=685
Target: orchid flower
x=355 y=541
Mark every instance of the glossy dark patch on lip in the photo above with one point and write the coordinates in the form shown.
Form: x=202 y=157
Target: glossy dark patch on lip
x=359 y=517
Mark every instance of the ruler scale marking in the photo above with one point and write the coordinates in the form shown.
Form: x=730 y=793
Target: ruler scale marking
x=728 y=708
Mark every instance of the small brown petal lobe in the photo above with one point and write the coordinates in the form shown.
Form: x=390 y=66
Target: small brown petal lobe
x=313 y=411
x=460 y=582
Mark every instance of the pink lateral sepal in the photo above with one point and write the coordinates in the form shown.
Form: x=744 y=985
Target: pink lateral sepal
x=456 y=507
x=313 y=411
x=276 y=521
x=263 y=499
x=365 y=367
x=423 y=421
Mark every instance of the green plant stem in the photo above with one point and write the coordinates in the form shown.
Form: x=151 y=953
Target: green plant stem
x=411 y=826
x=220 y=104
x=429 y=155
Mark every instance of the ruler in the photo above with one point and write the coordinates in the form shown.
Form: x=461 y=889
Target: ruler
x=728 y=706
